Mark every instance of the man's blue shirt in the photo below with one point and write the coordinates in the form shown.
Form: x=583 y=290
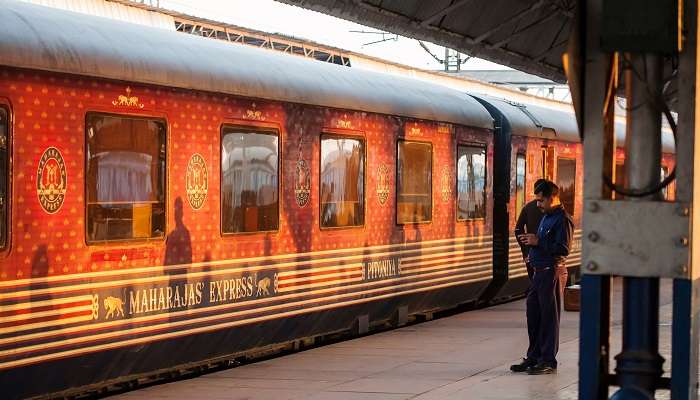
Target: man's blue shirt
x=554 y=239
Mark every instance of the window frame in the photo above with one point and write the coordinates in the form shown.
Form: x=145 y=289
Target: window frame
x=5 y=248
x=523 y=154
x=483 y=146
x=396 y=179
x=166 y=179
x=259 y=129
x=329 y=133
x=572 y=211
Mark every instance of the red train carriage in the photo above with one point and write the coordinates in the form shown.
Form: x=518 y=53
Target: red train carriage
x=172 y=200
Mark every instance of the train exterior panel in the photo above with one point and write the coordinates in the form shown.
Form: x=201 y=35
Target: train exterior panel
x=67 y=301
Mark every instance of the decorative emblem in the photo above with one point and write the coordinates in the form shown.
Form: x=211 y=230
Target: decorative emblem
x=414 y=130
x=302 y=179
x=444 y=128
x=341 y=123
x=128 y=100
x=302 y=183
x=254 y=114
x=95 y=306
x=382 y=183
x=196 y=181
x=52 y=180
x=445 y=186
x=114 y=307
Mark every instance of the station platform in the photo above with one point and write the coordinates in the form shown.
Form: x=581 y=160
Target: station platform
x=464 y=356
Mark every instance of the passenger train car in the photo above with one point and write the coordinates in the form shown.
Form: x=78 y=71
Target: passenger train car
x=167 y=201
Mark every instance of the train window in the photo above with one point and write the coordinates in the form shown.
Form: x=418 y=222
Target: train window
x=249 y=180
x=566 y=179
x=519 y=183
x=414 y=167
x=471 y=182
x=4 y=174
x=342 y=182
x=125 y=179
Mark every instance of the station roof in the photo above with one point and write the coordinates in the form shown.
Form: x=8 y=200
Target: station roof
x=49 y=39
x=529 y=35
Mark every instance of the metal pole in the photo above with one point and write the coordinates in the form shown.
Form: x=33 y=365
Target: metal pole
x=639 y=365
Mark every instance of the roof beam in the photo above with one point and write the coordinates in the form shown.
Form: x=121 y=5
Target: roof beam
x=444 y=12
x=519 y=32
x=517 y=17
x=544 y=54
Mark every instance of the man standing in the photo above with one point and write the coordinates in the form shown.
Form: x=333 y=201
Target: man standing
x=528 y=222
x=549 y=248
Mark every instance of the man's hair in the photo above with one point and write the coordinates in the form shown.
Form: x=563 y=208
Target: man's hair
x=538 y=183
x=547 y=189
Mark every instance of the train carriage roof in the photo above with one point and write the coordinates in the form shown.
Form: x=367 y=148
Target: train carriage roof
x=541 y=122
x=535 y=121
x=43 y=38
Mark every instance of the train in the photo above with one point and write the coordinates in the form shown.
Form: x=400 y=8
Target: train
x=170 y=201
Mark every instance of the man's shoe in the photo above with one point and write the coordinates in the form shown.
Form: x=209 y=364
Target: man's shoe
x=523 y=366
x=541 y=369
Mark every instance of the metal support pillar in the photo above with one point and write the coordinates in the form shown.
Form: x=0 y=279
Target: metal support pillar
x=640 y=239
x=596 y=119
x=594 y=351
x=686 y=321
x=639 y=365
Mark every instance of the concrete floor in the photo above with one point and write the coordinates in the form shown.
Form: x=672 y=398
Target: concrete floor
x=465 y=356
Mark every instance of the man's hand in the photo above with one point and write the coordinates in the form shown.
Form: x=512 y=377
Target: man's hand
x=529 y=239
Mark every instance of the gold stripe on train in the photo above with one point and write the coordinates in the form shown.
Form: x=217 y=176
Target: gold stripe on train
x=188 y=275
x=44 y=324
x=474 y=264
x=42 y=303
x=425 y=245
x=146 y=329
x=69 y=353
x=48 y=313
x=332 y=290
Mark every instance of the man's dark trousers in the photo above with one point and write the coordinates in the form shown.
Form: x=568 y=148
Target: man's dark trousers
x=544 y=311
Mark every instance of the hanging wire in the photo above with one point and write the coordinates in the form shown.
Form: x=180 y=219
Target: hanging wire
x=660 y=104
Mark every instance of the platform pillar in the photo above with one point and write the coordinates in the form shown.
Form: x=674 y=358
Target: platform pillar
x=638 y=237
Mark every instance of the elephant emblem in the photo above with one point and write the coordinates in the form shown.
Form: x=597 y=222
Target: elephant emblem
x=127 y=100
